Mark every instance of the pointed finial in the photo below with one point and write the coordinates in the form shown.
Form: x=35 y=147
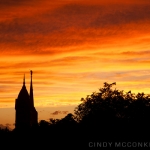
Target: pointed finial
x=31 y=72
x=24 y=80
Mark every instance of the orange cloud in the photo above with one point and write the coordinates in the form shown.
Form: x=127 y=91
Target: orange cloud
x=72 y=48
x=73 y=25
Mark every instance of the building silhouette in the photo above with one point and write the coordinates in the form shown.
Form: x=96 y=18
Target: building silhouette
x=26 y=114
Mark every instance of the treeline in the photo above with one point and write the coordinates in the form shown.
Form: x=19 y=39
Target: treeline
x=107 y=115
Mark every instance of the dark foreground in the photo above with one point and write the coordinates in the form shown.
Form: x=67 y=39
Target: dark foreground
x=109 y=118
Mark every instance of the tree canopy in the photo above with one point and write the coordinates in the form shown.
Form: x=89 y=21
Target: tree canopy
x=112 y=111
x=111 y=103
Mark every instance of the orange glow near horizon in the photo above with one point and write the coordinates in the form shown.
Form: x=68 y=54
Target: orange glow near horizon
x=73 y=47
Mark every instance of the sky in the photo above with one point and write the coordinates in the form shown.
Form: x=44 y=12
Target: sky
x=73 y=47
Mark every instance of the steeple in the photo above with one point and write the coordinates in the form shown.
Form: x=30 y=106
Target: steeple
x=26 y=114
x=31 y=91
x=24 y=80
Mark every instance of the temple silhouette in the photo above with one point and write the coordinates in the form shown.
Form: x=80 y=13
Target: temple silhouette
x=26 y=114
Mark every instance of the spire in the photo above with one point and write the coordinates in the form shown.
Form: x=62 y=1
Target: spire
x=24 y=80
x=31 y=91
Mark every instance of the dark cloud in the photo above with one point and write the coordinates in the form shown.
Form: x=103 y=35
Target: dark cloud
x=125 y=53
x=56 y=113
x=71 y=24
x=10 y=3
x=136 y=53
x=77 y=16
x=86 y=16
x=121 y=15
x=59 y=112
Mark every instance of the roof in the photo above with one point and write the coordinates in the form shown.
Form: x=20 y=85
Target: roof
x=23 y=100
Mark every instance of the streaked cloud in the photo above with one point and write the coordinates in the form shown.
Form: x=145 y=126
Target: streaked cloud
x=57 y=28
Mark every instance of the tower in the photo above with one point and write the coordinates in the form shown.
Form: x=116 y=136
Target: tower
x=31 y=91
x=26 y=114
x=34 y=114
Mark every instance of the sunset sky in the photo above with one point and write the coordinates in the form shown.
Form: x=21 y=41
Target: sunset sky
x=73 y=47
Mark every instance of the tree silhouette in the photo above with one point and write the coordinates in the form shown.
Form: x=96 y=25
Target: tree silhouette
x=111 y=112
